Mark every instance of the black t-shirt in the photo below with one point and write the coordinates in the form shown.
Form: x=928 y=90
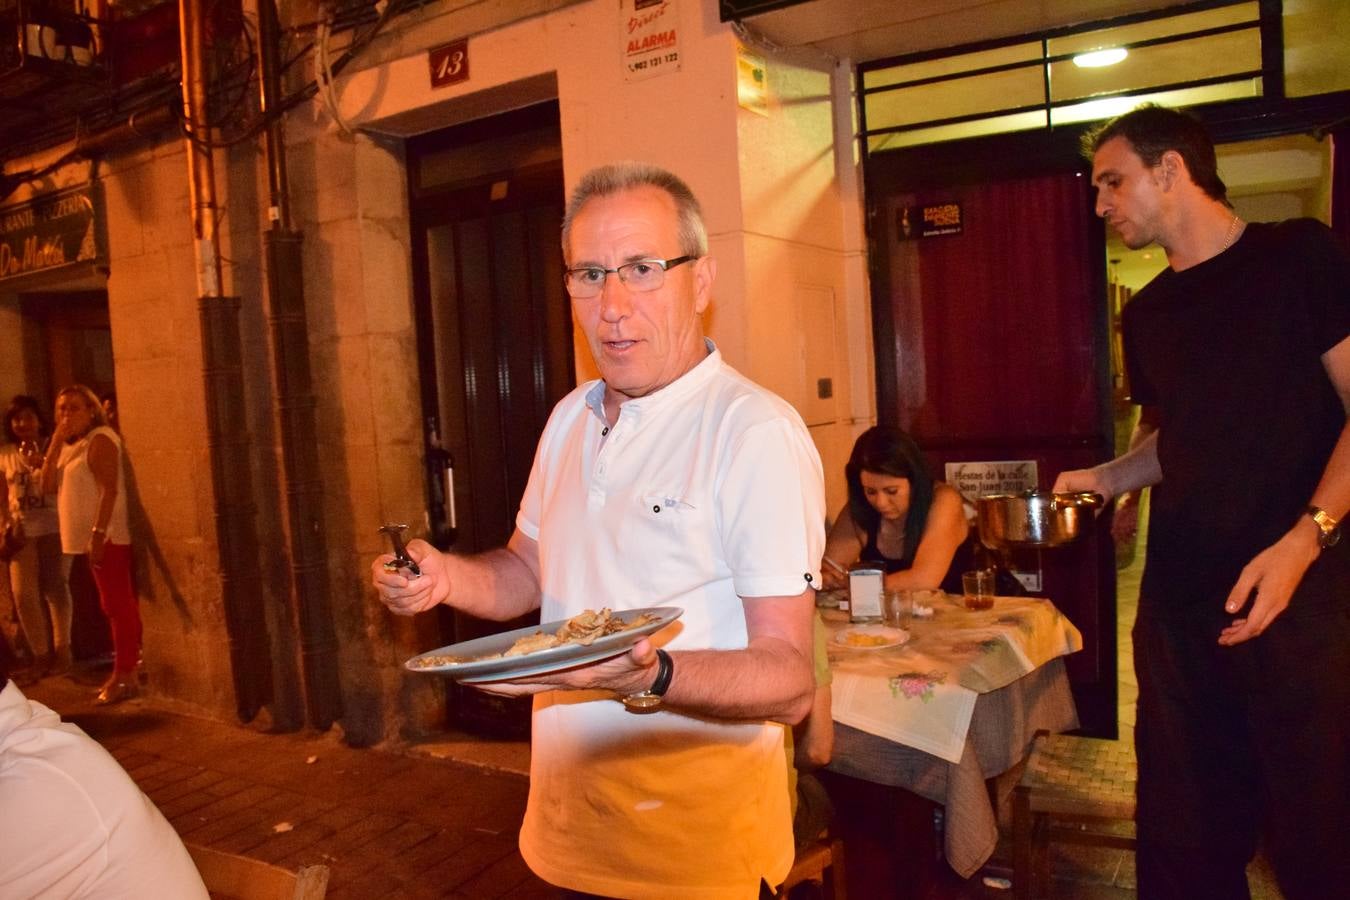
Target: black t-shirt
x=1230 y=353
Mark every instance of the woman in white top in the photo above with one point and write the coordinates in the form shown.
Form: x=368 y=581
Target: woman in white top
x=35 y=573
x=84 y=468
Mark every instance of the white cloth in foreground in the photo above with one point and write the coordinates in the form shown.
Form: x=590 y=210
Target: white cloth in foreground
x=72 y=822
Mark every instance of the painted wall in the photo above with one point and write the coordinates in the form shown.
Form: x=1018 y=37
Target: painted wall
x=782 y=203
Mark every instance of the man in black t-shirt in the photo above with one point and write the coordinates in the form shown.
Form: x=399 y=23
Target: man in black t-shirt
x=1242 y=641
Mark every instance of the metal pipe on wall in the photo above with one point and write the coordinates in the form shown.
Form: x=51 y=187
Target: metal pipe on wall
x=226 y=416
x=296 y=407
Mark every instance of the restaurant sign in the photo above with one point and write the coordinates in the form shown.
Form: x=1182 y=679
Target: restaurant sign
x=52 y=231
x=934 y=220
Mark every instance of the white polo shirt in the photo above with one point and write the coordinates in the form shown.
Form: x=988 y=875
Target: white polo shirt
x=704 y=492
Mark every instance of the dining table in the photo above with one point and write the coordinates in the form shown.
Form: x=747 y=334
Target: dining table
x=956 y=702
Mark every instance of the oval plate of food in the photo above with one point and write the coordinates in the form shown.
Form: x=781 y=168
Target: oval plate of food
x=871 y=637
x=539 y=649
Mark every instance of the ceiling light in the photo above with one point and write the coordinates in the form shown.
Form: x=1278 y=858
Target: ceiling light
x=1098 y=58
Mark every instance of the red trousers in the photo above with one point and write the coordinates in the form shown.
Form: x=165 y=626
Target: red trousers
x=118 y=599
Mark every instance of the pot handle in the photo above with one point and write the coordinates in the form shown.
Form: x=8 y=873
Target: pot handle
x=1088 y=499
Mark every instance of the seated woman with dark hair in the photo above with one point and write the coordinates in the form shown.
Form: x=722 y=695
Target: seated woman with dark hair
x=897 y=517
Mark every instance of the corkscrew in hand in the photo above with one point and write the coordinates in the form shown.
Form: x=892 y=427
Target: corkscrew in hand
x=401 y=558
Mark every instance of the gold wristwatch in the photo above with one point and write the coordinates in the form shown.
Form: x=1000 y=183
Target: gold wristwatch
x=650 y=699
x=1330 y=528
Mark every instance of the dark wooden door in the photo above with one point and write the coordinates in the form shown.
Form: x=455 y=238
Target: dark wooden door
x=992 y=348
x=495 y=340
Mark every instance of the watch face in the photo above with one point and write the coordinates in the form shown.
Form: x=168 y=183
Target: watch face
x=1330 y=528
x=642 y=702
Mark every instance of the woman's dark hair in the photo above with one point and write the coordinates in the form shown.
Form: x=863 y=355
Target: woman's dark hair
x=886 y=450
x=1152 y=130
x=18 y=405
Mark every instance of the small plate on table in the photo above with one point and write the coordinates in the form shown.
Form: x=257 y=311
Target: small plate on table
x=481 y=660
x=871 y=637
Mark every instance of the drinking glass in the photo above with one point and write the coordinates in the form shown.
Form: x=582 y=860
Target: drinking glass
x=30 y=454
x=978 y=587
x=897 y=605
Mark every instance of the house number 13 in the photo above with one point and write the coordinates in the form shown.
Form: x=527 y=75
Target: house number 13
x=449 y=63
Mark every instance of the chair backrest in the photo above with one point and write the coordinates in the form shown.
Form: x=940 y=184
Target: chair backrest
x=229 y=876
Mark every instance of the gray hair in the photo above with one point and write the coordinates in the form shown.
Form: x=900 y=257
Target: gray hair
x=605 y=181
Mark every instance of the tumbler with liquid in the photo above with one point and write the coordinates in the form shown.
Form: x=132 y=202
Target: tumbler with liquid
x=978 y=587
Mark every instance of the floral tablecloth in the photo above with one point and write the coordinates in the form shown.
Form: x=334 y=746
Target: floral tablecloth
x=922 y=693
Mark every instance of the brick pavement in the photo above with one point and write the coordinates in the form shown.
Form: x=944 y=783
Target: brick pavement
x=388 y=825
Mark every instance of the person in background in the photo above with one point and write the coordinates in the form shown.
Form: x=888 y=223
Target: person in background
x=36 y=574
x=897 y=516
x=72 y=822
x=671 y=481
x=1240 y=642
x=83 y=466
x=108 y=400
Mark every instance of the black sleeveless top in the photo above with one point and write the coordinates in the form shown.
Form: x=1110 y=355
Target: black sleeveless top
x=871 y=554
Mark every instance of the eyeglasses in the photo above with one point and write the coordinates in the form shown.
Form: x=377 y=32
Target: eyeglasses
x=639 y=275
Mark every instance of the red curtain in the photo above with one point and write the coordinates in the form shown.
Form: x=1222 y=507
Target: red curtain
x=996 y=327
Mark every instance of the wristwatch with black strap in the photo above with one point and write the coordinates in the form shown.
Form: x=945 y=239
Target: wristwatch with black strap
x=1330 y=528
x=650 y=699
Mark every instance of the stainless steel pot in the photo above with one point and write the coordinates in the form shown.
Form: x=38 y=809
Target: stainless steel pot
x=1034 y=518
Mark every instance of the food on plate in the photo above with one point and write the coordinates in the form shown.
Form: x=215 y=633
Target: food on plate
x=530 y=643
x=858 y=639
x=443 y=659
x=872 y=637
x=582 y=628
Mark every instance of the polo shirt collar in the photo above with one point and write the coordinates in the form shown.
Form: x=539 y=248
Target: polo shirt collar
x=688 y=383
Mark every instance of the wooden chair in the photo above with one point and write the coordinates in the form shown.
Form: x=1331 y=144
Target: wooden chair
x=232 y=877
x=1069 y=779
x=822 y=863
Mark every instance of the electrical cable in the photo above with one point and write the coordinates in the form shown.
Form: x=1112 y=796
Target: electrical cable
x=326 y=90
x=288 y=103
x=141 y=99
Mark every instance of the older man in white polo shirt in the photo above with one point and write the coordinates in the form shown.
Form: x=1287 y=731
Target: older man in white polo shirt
x=673 y=480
